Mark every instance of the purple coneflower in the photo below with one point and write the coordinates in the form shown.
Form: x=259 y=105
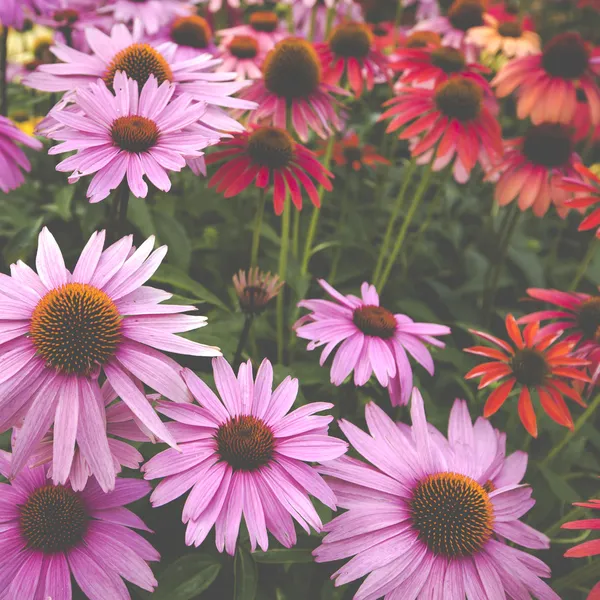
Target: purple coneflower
x=242 y=55
x=12 y=158
x=61 y=330
x=192 y=35
x=373 y=340
x=129 y=134
x=263 y=25
x=245 y=455
x=434 y=524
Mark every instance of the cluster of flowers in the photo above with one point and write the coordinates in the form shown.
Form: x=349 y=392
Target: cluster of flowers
x=148 y=86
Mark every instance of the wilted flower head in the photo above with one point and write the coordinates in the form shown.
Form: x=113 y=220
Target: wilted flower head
x=256 y=289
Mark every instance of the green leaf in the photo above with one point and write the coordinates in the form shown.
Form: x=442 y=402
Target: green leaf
x=139 y=214
x=559 y=486
x=187 y=577
x=283 y=556
x=245 y=574
x=177 y=278
x=62 y=203
x=21 y=244
x=171 y=233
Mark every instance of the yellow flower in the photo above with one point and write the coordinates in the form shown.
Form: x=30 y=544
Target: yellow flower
x=24 y=121
x=29 y=45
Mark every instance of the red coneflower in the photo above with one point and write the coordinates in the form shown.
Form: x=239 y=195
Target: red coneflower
x=293 y=85
x=547 y=83
x=535 y=363
x=350 y=49
x=350 y=151
x=533 y=167
x=587 y=190
x=453 y=121
x=266 y=155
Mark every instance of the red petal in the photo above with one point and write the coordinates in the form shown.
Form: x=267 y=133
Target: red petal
x=526 y=412
x=488 y=352
x=586 y=549
x=513 y=331
x=493 y=340
x=497 y=397
x=583 y=524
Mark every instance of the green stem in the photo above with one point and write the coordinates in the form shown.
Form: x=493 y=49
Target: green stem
x=330 y=16
x=313 y=22
x=412 y=209
x=579 y=423
x=243 y=339
x=3 y=63
x=585 y=263
x=296 y=233
x=283 y=257
x=260 y=211
x=408 y=175
x=314 y=219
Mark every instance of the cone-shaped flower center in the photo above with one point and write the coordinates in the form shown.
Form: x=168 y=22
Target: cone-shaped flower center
x=292 y=69
x=450 y=60
x=489 y=486
x=75 y=327
x=243 y=46
x=68 y=16
x=422 y=39
x=378 y=11
x=588 y=318
x=254 y=298
x=264 y=20
x=352 y=153
x=452 y=514
x=375 y=320
x=459 y=99
x=549 y=145
x=138 y=62
x=193 y=31
x=53 y=519
x=464 y=14
x=510 y=29
x=245 y=443
x=134 y=134
x=351 y=40
x=271 y=147
x=445 y=5
x=566 y=56
x=529 y=367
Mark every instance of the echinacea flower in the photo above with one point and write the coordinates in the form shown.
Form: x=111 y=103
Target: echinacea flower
x=242 y=55
x=120 y=51
x=263 y=25
x=13 y=12
x=122 y=427
x=129 y=134
x=509 y=38
x=589 y=548
x=372 y=338
x=586 y=189
x=547 y=83
x=454 y=122
x=352 y=152
x=268 y=155
x=50 y=532
x=432 y=524
x=350 y=51
x=150 y=14
x=62 y=330
x=191 y=34
x=12 y=158
x=245 y=454
x=533 y=167
x=293 y=86
x=535 y=363
x=255 y=289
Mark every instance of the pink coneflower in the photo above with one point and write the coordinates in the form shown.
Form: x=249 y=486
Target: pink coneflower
x=151 y=15
x=269 y=155
x=533 y=167
x=547 y=83
x=429 y=65
x=62 y=330
x=590 y=548
x=192 y=35
x=13 y=12
x=350 y=51
x=256 y=289
x=263 y=25
x=586 y=187
x=430 y=525
x=536 y=363
x=461 y=17
x=50 y=532
x=12 y=158
x=122 y=427
x=129 y=134
x=122 y=52
x=373 y=340
x=242 y=55
x=243 y=454
x=453 y=122
x=577 y=315
x=293 y=86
